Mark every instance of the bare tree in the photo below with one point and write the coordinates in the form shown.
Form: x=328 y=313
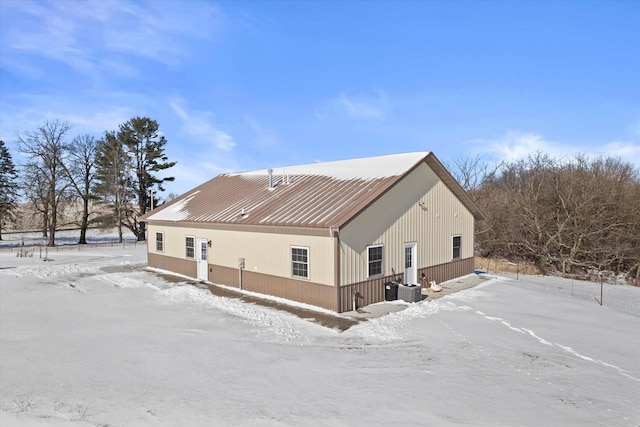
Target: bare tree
x=571 y=216
x=472 y=171
x=36 y=188
x=45 y=149
x=79 y=166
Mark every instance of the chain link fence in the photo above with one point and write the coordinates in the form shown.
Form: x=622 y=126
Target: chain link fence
x=619 y=297
x=30 y=244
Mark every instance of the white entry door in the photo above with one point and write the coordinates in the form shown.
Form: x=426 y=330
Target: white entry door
x=203 y=264
x=410 y=260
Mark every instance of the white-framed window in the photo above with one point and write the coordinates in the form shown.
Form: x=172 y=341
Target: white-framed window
x=408 y=256
x=159 y=241
x=190 y=247
x=300 y=262
x=457 y=247
x=374 y=260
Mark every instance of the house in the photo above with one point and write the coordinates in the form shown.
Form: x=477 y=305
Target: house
x=317 y=233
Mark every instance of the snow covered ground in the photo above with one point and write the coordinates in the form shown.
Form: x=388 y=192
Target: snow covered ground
x=89 y=338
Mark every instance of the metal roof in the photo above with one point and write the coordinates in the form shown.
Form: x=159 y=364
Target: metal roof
x=317 y=195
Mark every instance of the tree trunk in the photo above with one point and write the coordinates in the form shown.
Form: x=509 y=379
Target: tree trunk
x=85 y=222
x=45 y=221
x=53 y=221
x=52 y=236
x=52 y=233
x=143 y=233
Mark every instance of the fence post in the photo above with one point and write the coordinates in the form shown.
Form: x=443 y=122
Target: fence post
x=600 y=289
x=572 y=285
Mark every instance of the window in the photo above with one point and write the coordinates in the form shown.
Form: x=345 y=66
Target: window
x=203 y=250
x=408 y=252
x=374 y=260
x=300 y=262
x=191 y=247
x=457 y=246
x=159 y=241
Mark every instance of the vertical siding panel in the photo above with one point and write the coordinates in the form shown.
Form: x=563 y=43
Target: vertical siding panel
x=292 y=289
x=397 y=218
x=394 y=219
x=180 y=266
x=266 y=251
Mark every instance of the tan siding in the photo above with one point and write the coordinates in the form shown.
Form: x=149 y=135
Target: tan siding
x=397 y=218
x=296 y=290
x=368 y=292
x=180 y=266
x=448 y=271
x=266 y=252
x=372 y=291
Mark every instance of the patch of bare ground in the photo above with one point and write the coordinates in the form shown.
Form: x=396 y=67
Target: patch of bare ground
x=494 y=265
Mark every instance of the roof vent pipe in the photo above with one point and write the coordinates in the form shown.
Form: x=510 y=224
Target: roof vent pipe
x=270 y=178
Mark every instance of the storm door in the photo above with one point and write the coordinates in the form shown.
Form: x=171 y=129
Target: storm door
x=203 y=264
x=410 y=260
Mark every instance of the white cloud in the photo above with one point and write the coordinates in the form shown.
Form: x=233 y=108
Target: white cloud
x=263 y=137
x=515 y=145
x=518 y=145
x=198 y=124
x=205 y=150
x=627 y=151
x=27 y=112
x=356 y=107
x=95 y=37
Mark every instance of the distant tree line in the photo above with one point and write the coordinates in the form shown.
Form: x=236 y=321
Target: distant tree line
x=117 y=173
x=576 y=217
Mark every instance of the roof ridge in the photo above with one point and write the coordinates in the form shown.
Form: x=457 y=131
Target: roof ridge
x=373 y=167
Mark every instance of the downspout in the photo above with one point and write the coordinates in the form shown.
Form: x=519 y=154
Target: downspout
x=336 y=250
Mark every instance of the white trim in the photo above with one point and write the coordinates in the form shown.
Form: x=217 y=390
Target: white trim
x=452 y=247
x=380 y=245
x=202 y=259
x=194 y=247
x=413 y=247
x=162 y=241
x=306 y=248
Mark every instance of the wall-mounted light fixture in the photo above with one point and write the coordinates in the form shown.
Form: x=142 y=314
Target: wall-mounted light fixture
x=422 y=206
x=209 y=243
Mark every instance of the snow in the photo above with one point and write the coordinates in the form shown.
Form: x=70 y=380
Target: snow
x=368 y=168
x=92 y=338
x=175 y=212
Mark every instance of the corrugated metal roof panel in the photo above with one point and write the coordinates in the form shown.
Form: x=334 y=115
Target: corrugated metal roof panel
x=315 y=195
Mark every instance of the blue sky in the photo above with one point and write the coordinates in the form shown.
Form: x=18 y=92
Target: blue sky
x=247 y=85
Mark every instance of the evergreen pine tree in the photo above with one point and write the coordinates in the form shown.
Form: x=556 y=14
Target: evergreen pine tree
x=8 y=187
x=141 y=137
